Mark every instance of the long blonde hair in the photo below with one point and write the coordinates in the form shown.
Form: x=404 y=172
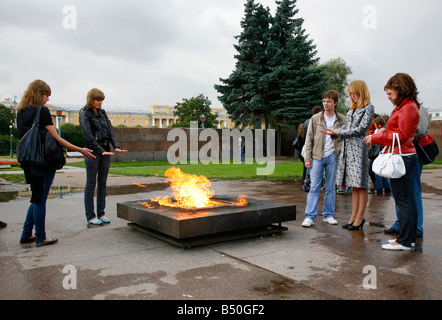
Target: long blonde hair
x=360 y=88
x=33 y=95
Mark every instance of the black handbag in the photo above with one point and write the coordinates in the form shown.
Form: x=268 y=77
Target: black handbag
x=38 y=148
x=30 y=148
x=54 y=153
x=428 y=153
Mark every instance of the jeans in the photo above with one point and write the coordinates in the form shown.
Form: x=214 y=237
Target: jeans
x=381 y=184
x=404 y=195
x=329 y=164
x=417 y=193
x=96 y=174
x=36 y=215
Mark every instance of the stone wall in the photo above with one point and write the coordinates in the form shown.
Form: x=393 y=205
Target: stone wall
x=436 y=132
x=150 y=144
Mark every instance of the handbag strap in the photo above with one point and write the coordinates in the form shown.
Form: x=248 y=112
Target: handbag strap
x=396 y=135
x=37 y=116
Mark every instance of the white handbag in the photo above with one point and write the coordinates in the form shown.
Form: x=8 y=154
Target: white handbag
x=388 y=164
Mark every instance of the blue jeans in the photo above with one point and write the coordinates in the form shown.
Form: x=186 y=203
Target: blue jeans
x=329 y=164
x=36 y=215
x=381 y=184
x=96 y=174
x=417 y=193
x=404 y=195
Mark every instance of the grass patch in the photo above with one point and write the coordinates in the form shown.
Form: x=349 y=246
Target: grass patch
x=283 y=171
x=124 y=164
x=14 y=178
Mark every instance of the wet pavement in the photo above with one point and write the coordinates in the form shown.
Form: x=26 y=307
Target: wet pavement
x=324 y=262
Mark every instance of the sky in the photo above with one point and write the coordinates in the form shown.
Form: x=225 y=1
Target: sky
x=144 y=52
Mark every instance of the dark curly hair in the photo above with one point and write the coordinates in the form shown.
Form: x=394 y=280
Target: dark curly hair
x=405 y=87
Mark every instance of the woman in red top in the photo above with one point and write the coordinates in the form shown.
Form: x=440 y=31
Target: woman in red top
x=402 y=92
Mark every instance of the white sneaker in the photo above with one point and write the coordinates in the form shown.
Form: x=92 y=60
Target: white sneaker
x=308 y=223
x=395 y=247
x=394 y=240
x=330 y=220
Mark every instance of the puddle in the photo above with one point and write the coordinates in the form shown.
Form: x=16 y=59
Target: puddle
x=78 y=192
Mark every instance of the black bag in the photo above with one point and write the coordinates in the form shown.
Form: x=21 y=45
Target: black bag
x=374 y=151
x=306 y=183
x=38 y=148
x=428 y=153
x=54 y=153
x=297 y=143
x=30 y=148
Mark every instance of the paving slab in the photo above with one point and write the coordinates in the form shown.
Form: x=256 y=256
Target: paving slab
x=324 y=262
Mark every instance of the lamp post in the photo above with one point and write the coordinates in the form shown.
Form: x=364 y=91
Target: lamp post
x=203 y=118
x=10 y=132
x=58 y=121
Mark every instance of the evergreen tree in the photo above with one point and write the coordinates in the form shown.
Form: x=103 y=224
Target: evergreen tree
x=276 y=80
x=300 y=83
x=241 y=93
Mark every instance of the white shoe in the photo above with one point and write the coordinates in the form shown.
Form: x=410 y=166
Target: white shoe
x=395 y=247
x=330 y=220
x=307 y=223
x=394 y=240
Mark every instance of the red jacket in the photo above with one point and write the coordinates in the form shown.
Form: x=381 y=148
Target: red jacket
x=404 y=120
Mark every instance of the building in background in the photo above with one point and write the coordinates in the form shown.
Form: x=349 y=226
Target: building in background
x=158 y=116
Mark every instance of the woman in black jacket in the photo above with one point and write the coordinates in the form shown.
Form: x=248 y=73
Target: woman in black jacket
x=99 y=134
x=40 y=178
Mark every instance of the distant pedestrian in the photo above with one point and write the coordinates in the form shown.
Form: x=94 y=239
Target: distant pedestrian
x=315 y=110
x=381 y=184
x=99 y=135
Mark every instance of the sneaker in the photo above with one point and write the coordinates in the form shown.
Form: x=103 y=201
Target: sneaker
x=330 y=220
x=95 y=221
x=104 y=219
x=308 y=223
x=395 y=247
x=394 y=240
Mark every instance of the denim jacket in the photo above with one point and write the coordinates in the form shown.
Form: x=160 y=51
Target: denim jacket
x=97 y=130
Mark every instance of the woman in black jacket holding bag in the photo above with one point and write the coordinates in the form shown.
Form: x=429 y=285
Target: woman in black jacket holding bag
x=99 y=134
x=40 y=178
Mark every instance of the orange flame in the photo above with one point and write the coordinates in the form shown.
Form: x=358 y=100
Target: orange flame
x=139 y=185
x=191 y=191
x=146 y=204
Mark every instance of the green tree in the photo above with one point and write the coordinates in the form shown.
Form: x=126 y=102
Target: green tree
x=275 y=80
x=7 y=117
x=242 y=93
x=298 y=84
x=336 y=74
x=192 y=109
x=73 y=134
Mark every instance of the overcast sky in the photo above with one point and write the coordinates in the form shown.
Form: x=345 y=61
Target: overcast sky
x=145 y=52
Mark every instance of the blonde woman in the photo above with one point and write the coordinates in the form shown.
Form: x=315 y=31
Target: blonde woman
x=40 y=178
x=353 y=166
